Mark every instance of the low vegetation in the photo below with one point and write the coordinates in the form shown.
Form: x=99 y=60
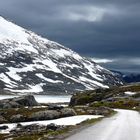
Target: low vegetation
x=114 y=97
x=95 y=102
x=120 y=104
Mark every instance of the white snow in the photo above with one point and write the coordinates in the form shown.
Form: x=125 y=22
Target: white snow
x=13 y=72
x=66 y=52
x=18 y=39
x=61 y=52
x=37 y=106
x=23 y=69
x=93 y=82
x=32 y=89
x=51 y=65
x=130 y=93
x=69 y=65
x=25 y=47
x=62 y=121
x=6 y=79
x=14 y=75
x=48 y=79
x=72 y=78
x=77 y=56
x=10 y=31
x=91 y=68
x=1 y=64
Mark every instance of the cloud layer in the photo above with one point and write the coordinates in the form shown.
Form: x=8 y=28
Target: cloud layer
x=95 y=28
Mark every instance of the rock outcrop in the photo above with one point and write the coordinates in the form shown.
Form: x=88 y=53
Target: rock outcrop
x=45 y=115
x=18 y=118
x=52 y=114
x=18 y=102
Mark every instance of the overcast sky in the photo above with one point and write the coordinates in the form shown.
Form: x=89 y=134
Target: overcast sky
x=105 y=29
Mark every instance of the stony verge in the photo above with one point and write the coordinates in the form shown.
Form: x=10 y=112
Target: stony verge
x=95 y=102
x=28 y=109
x=125 y=97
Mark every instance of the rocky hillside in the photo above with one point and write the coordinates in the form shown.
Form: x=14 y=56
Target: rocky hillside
x=30 y=63
x=126 y=96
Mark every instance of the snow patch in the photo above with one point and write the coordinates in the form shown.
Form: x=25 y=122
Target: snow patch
x=51 y=65
x=130 y=93
x=48 y=79
x=62 y=121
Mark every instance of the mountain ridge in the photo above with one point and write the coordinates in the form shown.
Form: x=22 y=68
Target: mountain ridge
x=30 y=63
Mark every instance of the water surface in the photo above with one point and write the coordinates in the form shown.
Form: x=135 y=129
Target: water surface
x=44 y=98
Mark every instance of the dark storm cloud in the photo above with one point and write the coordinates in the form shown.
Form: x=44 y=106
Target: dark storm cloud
x=95 y=28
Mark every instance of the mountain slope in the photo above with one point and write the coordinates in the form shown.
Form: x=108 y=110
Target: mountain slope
x=30 y=63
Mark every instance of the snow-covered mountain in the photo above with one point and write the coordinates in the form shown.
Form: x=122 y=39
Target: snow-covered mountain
x=30 y=63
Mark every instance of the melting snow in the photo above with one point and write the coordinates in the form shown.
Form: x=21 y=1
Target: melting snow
x=130 y=93
x=62 y=121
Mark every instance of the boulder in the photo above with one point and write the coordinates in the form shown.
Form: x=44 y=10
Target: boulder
x=45 y=115
x=17 y=118
x=3 y=127
x=66 y=112
x=34 y=129
x=105 y=111
x=27 y=100
x=55 y=127
x=52 y=126
x=19 y=125
x=10 y=104
x=52 y=114
x=81 y=111
x=28 y=129
x=2 y=119
x=54 y=107
x=18 y=102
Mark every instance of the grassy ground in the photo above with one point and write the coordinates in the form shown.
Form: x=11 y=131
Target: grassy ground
x=56 y=135
x=121 y=104
x=7 y=113
x=82 y=98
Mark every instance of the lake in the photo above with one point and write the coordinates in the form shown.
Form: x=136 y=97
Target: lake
x=44 y=98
